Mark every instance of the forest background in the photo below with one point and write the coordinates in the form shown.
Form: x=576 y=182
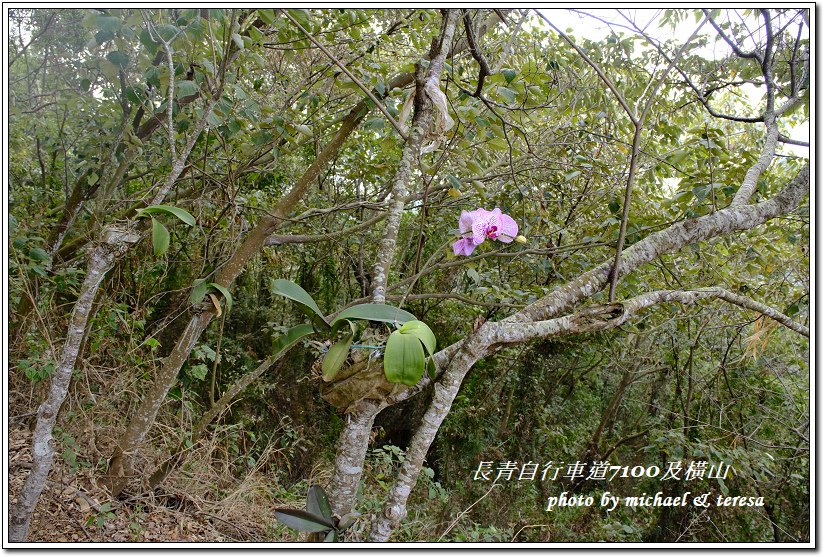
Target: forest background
x=231 y=272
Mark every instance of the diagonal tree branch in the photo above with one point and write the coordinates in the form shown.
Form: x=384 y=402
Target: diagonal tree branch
x=490 y=336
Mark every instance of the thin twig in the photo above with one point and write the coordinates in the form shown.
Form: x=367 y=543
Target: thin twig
x=469 y=508
x=351 y=76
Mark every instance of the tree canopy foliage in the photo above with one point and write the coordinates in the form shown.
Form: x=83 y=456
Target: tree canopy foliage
x=215 y=214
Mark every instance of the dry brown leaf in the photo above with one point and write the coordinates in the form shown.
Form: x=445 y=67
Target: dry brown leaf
x=216 y=302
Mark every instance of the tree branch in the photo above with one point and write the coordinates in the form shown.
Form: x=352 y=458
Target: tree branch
x=351 y=76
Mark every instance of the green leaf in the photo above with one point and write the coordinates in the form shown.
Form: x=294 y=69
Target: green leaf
x=403 y=360
x=508 y=94
x=118 y=58
x=167 y=31
x=422 y=332
x=198 y=372
x=337 y=354
x=101 y=37
x=303 y=521
x=182 y=214
x=186 y=88
x=348 y=520
x=290 y=290
x=199 y=290
x=226 y=294
x=238 y=40
x=160 y=237
x=509 y=74
x=255 y=34
x=375 y=312
x=267 y=16
x=85 y=84
x=331 y=537
x=723 y=487
x=290 y=337
x=107 y=23
x=39 y=254
x=317 y=502
x=302 y=17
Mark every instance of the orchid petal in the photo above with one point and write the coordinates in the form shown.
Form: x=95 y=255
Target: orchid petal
x=464 y=246
x=465 y=222
x=508 y=230
x=480 y=225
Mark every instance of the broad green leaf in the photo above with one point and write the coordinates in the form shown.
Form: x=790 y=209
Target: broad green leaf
x=474 y=167
x=317 y=502
x=337 y=354
x=182 y=214
x=375 y=312
x=198 y=372
x=39 y=254
x=255 y=34
x=226 y=294
x=403 y=359
x=238 y=40
x=160 y=237
x=267 y=16
x=118 y=58
x=422 y=332
x=331 y=537
x=107 y=23
x=290 y=337
x=199 y=290
x=509 y=74
x=101 y=37
x=185 y=88
x=348 y=520
x=302 y=17
x=167 y=31
x=297 y=294
x=303 y=521
x=508 y=94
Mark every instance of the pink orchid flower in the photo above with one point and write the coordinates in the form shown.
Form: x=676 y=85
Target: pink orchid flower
x=480 y=224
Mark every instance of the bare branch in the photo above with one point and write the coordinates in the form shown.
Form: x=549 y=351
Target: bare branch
x=735 y=48
x=633 y=163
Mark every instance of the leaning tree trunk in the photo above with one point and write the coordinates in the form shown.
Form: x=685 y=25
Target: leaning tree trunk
x=121 y=464
x=104 y=255
x=115 y=243
x=354 y=437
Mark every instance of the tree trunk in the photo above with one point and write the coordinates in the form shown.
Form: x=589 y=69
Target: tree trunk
x=354 y=438
x=445 y=392
x=102 y=259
